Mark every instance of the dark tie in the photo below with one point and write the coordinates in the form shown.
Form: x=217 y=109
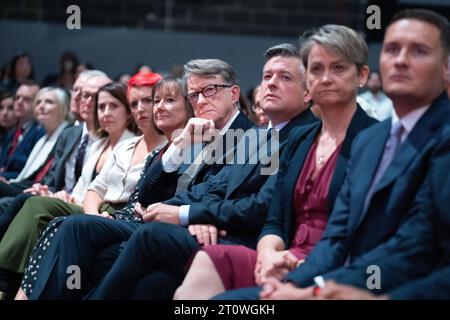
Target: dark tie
x=79 y=158
x=191 y=172
x=389 y=151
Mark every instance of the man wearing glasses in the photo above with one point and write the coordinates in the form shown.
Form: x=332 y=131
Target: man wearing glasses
x=213 y=92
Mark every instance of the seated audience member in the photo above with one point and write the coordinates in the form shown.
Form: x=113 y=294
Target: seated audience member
x=261 y=118
x=50 y=111
x=171 y=112
x=21 y=71
x=18 y=143
x=311 y=173
x=374 y=101
x=216 y=101
x=388 y=164
x=8 y=119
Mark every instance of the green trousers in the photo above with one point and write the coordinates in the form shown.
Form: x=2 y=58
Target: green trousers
x=23 y=232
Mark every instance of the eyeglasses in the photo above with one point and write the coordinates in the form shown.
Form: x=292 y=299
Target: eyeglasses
x=87 y=95
x=207 y=91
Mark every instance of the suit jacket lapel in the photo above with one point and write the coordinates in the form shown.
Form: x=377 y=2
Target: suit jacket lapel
x=304 y=118
x=295 y=166
x=408 y=150
x=371 y=158
x=73 y=140
x=359 y=121
x=424 y=130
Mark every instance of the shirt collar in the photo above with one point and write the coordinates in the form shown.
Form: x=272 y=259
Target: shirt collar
x=409 y=121
x=278 y=126
x=92 y=137
x=229 y=123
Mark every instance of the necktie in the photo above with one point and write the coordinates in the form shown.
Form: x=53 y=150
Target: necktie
x=79 y=158
x=15 y=140
x=389 y=151
x=188 y=176
x=44 y=170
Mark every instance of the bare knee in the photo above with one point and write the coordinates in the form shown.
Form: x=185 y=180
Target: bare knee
x=196 y=284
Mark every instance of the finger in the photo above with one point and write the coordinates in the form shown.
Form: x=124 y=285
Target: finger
x=266 y=291
x=199 y=232
x=138 y=210
x=191 y=229
x=149 y=216
x=206 y=235
x=213 y=234
x=223 y=233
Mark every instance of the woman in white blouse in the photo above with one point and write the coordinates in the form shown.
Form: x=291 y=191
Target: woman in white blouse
x=114 y=124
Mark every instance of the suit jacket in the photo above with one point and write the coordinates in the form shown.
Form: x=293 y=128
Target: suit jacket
x=354 y=235
x=66 y=144
x=281 y=219
x=424 y=240
x=14 y=163
x=235 y=198
x=159 y=185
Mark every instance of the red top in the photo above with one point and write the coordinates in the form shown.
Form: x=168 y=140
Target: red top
x=310 y=202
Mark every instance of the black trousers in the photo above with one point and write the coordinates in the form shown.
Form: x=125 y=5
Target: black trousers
x=151 y=265
x=13 y=189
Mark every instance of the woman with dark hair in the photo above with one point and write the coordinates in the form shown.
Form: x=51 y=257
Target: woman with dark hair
x=20 y=71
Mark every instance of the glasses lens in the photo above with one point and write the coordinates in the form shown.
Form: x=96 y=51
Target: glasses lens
x=209 y=91
x=193 y=97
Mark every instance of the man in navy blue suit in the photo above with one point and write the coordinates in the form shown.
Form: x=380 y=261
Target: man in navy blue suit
x=388 y=164
x=19 y=143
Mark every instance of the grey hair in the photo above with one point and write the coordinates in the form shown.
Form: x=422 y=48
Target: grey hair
x=210 y=67
x=87 y=74
x=281 y=50
x=62 y=98
x=337 y=38
x=286 y=50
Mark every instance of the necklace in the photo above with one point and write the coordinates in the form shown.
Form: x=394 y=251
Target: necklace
x=321 y=160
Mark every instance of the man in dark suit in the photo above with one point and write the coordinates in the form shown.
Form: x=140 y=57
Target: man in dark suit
x=388 y=163
x=183 y=165
x=236 y=199
x=19 y=143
